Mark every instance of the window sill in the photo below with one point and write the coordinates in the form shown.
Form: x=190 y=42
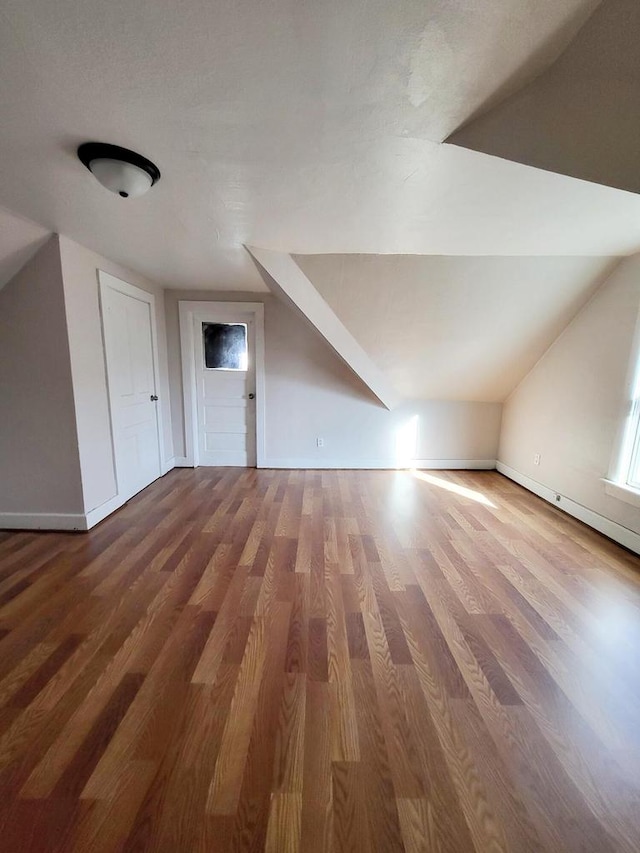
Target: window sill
x=622 y=491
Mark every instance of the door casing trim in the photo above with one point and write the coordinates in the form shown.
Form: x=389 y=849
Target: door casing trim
x=188 y=313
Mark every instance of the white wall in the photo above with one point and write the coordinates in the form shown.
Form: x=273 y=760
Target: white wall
x=80 y=276
x=39 y=467
x=20 y=239
x=311 y=393
x=568 y=408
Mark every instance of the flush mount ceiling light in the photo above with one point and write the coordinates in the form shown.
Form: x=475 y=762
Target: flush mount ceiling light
x=124 y=172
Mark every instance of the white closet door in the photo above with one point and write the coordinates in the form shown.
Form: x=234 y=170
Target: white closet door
x=127 y=324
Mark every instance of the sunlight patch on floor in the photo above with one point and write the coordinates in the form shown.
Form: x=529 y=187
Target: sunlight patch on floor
x=478 y=497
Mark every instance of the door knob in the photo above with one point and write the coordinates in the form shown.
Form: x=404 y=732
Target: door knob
x=251 y=396
x=154 y=398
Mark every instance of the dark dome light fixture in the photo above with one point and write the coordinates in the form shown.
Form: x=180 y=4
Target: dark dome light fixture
x=124 y=172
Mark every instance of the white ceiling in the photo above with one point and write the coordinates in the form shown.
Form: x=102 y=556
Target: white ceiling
x=454 y=327
x=298 y=126
x=581 y=116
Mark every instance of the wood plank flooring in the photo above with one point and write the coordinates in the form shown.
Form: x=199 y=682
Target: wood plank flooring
x=321 y=661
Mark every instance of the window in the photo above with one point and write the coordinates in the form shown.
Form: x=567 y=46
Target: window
x=628 y=468
x=225 y=346
x=624 y=475
x=633 y=472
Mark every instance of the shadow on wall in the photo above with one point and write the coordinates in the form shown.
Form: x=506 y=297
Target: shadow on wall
x=297 y=353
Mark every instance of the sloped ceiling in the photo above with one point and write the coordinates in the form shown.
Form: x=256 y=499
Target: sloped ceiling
x=306 y=127
x=454 y=327
x=581 y=116
x=286 y=279
x=291 y=125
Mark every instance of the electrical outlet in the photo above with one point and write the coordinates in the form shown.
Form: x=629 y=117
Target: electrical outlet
x=536 y=459
x=320 y=442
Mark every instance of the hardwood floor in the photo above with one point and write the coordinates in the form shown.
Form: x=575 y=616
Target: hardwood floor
x=315 y=661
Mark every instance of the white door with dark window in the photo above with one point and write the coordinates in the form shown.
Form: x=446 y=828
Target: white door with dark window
x=127 y=319
x=225 y=370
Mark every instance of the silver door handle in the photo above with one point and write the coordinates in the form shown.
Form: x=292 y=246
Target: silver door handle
x=251 y=396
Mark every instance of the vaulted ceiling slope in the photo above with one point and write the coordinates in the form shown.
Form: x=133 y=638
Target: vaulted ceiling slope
x=291 y=125
x=581 y=117
x=465 y=328
x=285 y=278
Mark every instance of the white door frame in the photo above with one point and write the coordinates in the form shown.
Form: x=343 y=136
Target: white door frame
x=106 y=280
x=189 y=312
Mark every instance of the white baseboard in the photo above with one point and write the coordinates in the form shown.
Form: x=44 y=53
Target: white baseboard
x=167 y=465
x=58 y=521
x=42 y=521
x=68 y=521
x=376 y=464
x=455 y=464
x=621 y=535
x=95 y=516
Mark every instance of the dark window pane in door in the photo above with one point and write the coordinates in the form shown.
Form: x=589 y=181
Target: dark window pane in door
x=225 y=346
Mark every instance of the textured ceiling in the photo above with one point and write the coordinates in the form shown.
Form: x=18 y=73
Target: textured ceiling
x=298 y=126
x=455 y=327
x=581 y=116
x=316 y=128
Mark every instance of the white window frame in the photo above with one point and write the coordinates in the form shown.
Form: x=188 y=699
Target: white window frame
x=633 y=478
x=623 y=480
